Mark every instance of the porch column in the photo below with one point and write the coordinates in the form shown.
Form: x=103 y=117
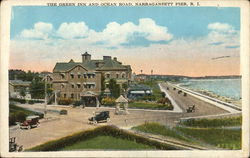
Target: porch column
x=97 y=102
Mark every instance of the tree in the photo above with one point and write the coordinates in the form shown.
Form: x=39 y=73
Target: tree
x=102 y=82
x=125 y=86
x=22 y=92
x=37 y=88
x=114 y=88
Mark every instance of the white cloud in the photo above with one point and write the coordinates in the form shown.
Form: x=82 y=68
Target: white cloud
x=41 y=30
x=224 y=33
x=153 y=31
x=221 y=27
x=113 y=35
x=73 y=30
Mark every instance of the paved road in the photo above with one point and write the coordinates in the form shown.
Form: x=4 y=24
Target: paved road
x=57 y=126
x=202 y=107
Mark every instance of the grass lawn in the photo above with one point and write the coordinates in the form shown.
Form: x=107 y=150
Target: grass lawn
x=158 y=129
x=156 y=90
x=219 y=137
x=142 y=105
x=13 y=109
x=222 y=138
x=232 y=121
x=108 y=142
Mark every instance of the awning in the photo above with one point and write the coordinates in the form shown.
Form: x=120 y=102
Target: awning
x=137 y=92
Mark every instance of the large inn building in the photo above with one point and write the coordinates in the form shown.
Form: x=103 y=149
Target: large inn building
x=78 y=79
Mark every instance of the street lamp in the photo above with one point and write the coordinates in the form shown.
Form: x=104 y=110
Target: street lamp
x=45 y=95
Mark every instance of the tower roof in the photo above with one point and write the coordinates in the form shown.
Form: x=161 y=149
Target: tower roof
x=86 y=54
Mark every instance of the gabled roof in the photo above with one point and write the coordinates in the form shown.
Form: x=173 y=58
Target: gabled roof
x=111 y=64
x=90 y=65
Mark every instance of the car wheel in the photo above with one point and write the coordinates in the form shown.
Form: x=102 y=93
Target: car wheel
x=29 y=127
x=95 y=122
x=108 y=119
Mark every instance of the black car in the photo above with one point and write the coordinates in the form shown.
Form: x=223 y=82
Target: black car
x=100 y=117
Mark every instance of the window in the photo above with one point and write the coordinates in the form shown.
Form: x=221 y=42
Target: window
x=85 y=76
x=123 y=76
x=79 y=76
x=72 y=95
x=117 y=75
x=62 y=86
x=62 y=76
x=73 y=86
x=78 y=86
x=72 y=75
x=65 y=95
x=108 y=75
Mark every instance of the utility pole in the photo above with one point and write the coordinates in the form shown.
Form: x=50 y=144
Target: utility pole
x=45 y=96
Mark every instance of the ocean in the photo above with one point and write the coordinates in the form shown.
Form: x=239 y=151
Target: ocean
x=230 y=88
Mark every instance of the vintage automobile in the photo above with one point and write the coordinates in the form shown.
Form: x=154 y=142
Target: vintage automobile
x=30 y=122
x=191 y=108
x=100 y=117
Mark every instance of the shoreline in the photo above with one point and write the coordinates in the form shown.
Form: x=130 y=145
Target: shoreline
x=216 y=96
x=208 y=93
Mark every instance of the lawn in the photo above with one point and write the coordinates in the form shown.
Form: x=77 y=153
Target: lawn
x=103 y=137
x=158 y=129
x=222 y=138
x=231 y=121
x=144 y=105
x=218 y=137
x=14 y=109
x=108 y=142
x=156 y=89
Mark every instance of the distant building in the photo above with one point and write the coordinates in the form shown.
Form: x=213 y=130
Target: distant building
x=140 y=77
x=16 y=86
x=139 y=90
x=73 y=79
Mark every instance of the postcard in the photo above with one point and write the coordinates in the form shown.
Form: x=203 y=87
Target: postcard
x=110 y=78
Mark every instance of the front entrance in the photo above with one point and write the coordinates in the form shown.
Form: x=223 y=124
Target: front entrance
x=89 y=101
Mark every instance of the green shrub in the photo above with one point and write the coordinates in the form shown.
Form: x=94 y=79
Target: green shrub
x=12 y=119
x=31 y=102
x=164 y=101
x=218 y=122
x=108 y=101
x=21 y=116
x=78 y=103
x=65 y=101
x=22 y=101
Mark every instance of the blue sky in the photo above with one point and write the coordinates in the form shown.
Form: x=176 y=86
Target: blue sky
x=162 y=38
x=181 y=21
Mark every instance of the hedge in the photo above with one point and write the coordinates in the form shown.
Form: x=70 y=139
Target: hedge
x=58 y=144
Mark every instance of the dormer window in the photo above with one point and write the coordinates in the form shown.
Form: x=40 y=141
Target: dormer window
x=62 y=76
